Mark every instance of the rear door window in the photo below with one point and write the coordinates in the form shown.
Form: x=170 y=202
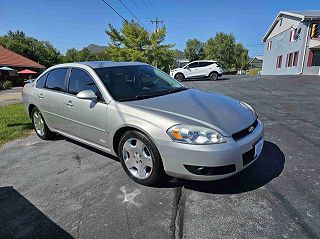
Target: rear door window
x=204 y=63
x=56 y=78
x=193 y=65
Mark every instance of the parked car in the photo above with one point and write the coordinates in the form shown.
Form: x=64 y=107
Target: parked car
x=153 y=123
x=198 y=69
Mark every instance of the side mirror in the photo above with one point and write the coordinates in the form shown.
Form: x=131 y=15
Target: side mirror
x=87 y=95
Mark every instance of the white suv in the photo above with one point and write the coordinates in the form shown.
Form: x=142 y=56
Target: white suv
x=195 y=69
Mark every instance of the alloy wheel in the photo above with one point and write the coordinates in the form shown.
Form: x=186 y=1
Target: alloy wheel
x=38 y=123
x=137 y=158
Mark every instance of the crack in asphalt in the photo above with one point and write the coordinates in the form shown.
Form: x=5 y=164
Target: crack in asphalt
x=178 y=216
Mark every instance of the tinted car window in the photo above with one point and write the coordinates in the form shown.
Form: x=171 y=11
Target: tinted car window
x=81 y=80
x=137 y=82
x=204 y=63
x=41 y=81
x=55 y=79
x=193 y=65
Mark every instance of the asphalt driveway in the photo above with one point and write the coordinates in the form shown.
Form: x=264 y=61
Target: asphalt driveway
x=60 y=188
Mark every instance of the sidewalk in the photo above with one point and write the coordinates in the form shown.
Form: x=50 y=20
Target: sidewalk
x=11 y=96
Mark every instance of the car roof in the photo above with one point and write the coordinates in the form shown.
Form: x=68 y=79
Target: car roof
x=205 y=61
x=101 y=64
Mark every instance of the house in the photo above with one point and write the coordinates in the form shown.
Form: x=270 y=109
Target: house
x=256 y=62
x=17 y=63
x=292 y=44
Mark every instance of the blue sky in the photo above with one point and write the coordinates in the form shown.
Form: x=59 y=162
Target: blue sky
x=78 y=23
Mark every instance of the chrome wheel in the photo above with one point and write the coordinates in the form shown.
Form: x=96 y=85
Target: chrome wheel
x=38 y=123
x=137 y=158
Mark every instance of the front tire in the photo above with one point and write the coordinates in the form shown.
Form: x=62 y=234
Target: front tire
x=40 y=125
x=179 y=76
x=213 y=75
x=140 y=158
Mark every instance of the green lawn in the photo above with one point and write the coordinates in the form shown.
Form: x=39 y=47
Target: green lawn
x=254 y=71
x=14 y=123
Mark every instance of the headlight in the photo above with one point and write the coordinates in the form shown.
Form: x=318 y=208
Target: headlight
x=190 y=134
x=249 y=107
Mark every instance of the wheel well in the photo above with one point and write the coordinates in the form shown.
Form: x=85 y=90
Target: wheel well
x=213 y=72
x=31 y=107
x=179 y=73
x=118 y=134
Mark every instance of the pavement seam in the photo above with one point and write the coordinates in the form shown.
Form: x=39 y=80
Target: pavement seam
x=179 y=213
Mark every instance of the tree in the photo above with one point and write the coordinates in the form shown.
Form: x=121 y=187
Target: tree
x=134 y=43
x=73 y=55
x=39 y=51
x=221 y=48
x=241 y=60
x=194 y=50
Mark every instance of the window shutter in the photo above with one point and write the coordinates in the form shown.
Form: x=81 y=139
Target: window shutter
x=310 y=57
x=287 y=60
x=296 y=57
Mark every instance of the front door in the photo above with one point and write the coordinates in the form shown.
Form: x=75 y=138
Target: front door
x=192 y=70
x=86 y=119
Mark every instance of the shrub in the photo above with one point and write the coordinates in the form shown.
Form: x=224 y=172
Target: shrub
x=6 y=85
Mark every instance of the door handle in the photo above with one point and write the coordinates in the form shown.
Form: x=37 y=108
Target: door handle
x=69 y=103
x=40 y=96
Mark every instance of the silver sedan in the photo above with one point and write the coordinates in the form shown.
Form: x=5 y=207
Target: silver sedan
x=153 y=123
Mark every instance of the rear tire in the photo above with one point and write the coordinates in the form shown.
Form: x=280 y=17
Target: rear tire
x=179 y=76
x=140 y=158
x=40 y=125
x=213 y=75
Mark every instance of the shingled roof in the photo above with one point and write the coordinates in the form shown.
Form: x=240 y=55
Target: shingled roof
x=12 y=59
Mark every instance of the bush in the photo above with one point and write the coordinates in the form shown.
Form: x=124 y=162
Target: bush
x=6 y=85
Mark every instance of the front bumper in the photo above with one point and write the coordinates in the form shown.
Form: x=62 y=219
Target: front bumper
x=222 y=160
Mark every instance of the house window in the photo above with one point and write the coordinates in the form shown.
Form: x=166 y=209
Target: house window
x=279 y=62
x=292 y=59
x=293 y=35
x=315 y=30
x=314 y=58
x=269 y=45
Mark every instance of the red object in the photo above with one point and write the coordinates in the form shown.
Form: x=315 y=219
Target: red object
x=310 y=57
x=27 y=71
x=296 y=57
x=12 y=59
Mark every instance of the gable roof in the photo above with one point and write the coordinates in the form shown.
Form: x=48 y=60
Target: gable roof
x=302 y=15
x=10 y=58
x=259 y=58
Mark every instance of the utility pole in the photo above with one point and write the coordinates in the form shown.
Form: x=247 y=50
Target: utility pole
x=156 y=22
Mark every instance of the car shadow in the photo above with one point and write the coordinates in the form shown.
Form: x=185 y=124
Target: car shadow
x=98 y=151
x=21 y=219
x=23 y=125
x=267 y=167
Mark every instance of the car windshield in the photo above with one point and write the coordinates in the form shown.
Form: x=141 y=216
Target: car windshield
x=126 y=83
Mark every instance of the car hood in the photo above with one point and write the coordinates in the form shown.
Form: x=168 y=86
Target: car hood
x=213 y=110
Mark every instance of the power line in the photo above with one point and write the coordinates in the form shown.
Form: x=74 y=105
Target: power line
x=156 y=11
x=133 y=15
x=114 y=10
x=140 y=9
